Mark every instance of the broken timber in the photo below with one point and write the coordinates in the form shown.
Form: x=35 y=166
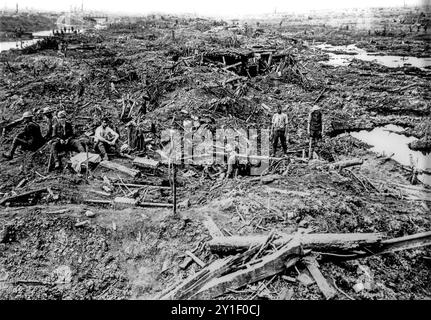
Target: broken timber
x=118 y=167
x=145 y=163
x=346 y=163
x=413 y=241
x=130 y=201
x=313 y=240
x=196 y=281
x=313 y=267
x=22 y=195
x=267 y=266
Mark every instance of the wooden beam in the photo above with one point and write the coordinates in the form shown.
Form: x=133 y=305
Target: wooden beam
x=146 y=163
x=232 y=66
x=196 y=259
x=22 y=195
x=413 y=241
x=313 y=267
x=119 y=167
x=134 y=185
x=213 y=229
x=346 y=163
x=155 y=204
x=313 y=240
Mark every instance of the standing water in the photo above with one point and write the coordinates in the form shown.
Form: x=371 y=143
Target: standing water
x=388 y=140
x=343 y=55
x=18 y=44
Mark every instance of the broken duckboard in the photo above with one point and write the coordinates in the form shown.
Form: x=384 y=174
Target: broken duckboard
x=119 y=167
x=314 y=240
x=265 y=267
x=195 y=282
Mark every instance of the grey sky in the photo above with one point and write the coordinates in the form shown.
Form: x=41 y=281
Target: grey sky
x=219 y=7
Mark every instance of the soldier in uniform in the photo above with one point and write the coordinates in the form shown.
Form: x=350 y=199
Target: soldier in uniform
x=315 y=129
x=30 y=139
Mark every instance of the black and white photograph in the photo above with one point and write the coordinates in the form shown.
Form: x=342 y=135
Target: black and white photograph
x=236 y=152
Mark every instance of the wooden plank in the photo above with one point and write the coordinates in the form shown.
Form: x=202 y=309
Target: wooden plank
x=213 y=229
x=414 y=241
x=268 y=266
x=146 y=163
x=155 y=204
x=125 y=200
x=196 y=259
x=97 y=201
x=346 y=163
x=22 y=195
x=232 y=66
x=186 y=262
x=119 y=167
x=134 y=185
x=313 y=240
x=313 y=267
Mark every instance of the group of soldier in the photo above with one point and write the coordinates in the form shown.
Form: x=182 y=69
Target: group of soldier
x=279 y=133
x=61 y=136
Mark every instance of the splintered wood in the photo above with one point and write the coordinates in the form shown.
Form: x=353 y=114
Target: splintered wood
x=231 y=273
x=315 y=240
x=119 y=167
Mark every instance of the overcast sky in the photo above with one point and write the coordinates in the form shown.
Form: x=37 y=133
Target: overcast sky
x=204 y=7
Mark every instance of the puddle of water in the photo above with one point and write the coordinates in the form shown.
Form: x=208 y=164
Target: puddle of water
x=7 y=45
x=355 y=52
x=386 y=140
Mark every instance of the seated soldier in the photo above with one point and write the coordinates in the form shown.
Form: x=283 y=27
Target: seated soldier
x=51 y=122
x=104 y=138
x=63 y=138
x=29 y=139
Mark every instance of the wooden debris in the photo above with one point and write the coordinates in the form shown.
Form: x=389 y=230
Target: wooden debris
x=286 y=294
x=125 y=200
x=22 y=195
x=186 y=262
x=195 y=282
x=60 y=211
x=313 y=267
x=313 y=240
x=155 y=204
x=346 y=163
x=413 y=241
x=212 y=228
x=100 y=192
x=305 y=279
x=97 y=201
x=268 y=266
x=82 y=223
x=287 y=278
x=146 y=163
x=196 y=259
x=118 y=167
x=134 y=185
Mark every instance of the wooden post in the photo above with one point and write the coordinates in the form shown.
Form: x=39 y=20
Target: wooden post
x=174 y=187
x=88 y=168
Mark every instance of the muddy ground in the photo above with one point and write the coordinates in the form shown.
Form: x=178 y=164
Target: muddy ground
x=135 y=253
